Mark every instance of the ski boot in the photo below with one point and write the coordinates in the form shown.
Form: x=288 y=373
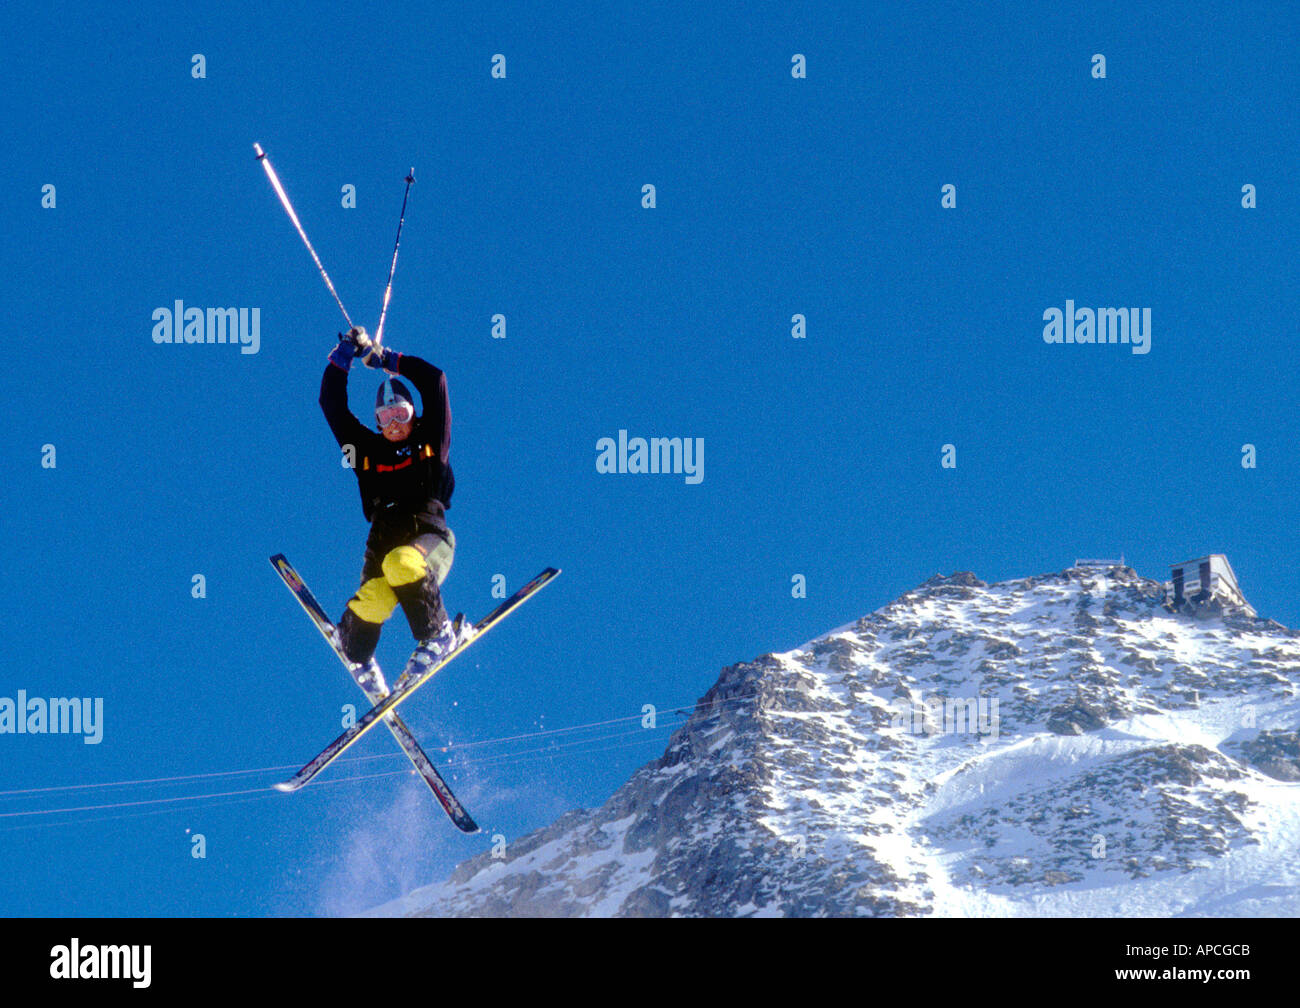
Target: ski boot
x=366 y=673
x=369 y=677
x=432 y=650
x=462 y=628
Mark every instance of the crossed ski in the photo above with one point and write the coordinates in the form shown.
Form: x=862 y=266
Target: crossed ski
x=423 y=765
x=411 y=680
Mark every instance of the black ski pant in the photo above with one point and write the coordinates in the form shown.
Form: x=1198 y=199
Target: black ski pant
x=405 y=564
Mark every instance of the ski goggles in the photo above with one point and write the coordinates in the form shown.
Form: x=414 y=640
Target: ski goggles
x=400 y=412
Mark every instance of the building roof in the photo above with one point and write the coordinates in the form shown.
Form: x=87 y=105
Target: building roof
x=1207 y=556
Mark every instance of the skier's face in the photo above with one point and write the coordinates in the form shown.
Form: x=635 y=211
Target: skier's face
x=397 y=431
x=395 y=420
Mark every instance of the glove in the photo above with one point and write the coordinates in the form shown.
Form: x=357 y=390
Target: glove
x=375 y=356
x=341 y=356
x=363 y=343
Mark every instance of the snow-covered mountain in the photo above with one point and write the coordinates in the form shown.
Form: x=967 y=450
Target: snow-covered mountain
x=1055 y=745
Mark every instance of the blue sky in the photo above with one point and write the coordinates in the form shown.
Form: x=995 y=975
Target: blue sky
x=775 y=196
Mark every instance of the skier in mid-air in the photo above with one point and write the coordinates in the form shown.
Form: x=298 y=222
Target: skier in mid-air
x=406 y=485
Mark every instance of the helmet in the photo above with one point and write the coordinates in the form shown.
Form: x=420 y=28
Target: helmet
x=393 y=403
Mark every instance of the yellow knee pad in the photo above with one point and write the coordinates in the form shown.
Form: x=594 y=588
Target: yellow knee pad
x=404 y=565
x=374 y=601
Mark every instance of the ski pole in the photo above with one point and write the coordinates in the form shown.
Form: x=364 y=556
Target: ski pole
x=288 y=208
x=388 y=290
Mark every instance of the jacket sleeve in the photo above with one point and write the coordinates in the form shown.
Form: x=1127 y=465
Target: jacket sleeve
x=431 y=383
x=347 y=429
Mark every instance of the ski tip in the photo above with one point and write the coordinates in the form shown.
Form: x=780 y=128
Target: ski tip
x=257 y=149
x=286 y=787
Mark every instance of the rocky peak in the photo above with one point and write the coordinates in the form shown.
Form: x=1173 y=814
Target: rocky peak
x=1039 y=745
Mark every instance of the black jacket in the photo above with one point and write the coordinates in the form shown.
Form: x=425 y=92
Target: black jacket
x=409 y=479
